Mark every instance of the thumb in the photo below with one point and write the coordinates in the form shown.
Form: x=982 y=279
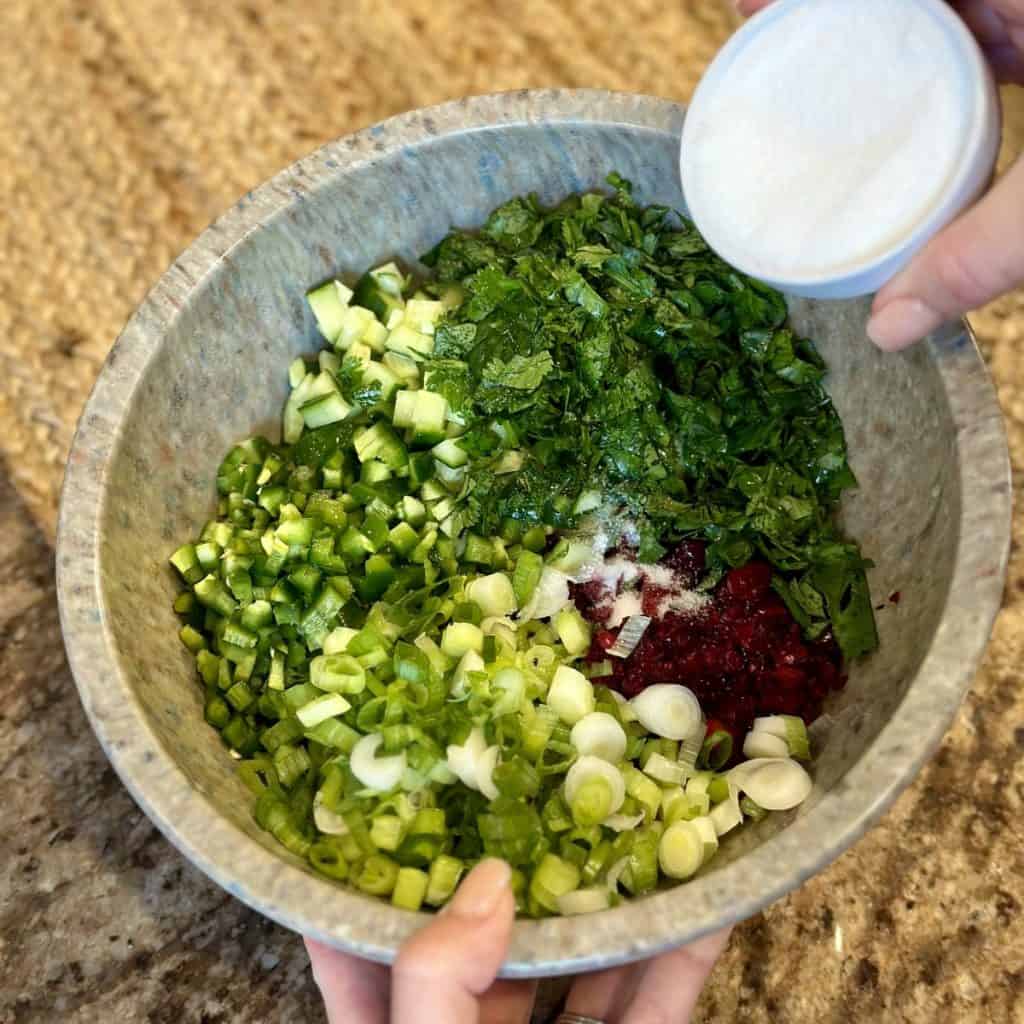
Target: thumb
x=976 y=259
x=443 y=969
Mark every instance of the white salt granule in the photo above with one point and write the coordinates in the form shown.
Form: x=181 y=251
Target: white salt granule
x=827 y=138
x=626 y=605
x=622 y=580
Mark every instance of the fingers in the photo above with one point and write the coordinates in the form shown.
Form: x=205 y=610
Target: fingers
x=354 y=991
x=977 y=258
x=606 y=994
x=443 y=969
x=748 y=7
x=508 y=1002
x=673 y=982
x=664 y=989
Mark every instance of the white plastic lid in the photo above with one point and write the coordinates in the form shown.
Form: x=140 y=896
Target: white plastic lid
x=830 y=139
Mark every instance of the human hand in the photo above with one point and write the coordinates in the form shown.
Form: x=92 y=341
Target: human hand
x=980 y=255
x=446 y=973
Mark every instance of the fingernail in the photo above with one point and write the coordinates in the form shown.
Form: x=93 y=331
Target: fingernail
x=482 y=889
x=901 y=322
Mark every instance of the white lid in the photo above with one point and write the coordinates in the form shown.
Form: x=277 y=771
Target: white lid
x=830 y=139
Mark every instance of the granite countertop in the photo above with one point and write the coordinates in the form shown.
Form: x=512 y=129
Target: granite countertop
x=124 y=128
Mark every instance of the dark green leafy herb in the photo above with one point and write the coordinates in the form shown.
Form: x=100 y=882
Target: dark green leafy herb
x=613 y=349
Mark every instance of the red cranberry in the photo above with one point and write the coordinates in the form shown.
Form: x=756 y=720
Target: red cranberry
x=688 y=560
x=749 y=581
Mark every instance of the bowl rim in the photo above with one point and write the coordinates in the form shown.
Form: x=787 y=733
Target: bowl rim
x=273 y=884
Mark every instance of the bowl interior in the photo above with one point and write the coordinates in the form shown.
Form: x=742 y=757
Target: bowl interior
x=212 y=369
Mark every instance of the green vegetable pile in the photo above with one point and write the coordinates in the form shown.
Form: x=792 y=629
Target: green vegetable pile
x=619 y=350
x=380 y=613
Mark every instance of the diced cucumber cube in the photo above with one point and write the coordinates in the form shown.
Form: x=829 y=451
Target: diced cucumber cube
x=405 y=408
x=377 y=373
x=389 y=278
x=450 y=453
x=329 y=304
x=403 y=538
x=323 y=384
x=326 y=409
x=354 y=326
x=409 y=342
x=413 y=511
x=330 y=362
x=375 y=335
x=404 y=368
x=422 y=314
x=380 y=442
x=430 y=411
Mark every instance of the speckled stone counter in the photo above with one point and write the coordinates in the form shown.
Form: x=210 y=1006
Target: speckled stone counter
x=124 y=128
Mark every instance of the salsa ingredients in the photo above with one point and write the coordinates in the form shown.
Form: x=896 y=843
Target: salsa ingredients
x=382 y=611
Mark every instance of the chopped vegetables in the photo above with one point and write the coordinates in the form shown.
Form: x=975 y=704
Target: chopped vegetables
x=398 y=667
x=668 y=710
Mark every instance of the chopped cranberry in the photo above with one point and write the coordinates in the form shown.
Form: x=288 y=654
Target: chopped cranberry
x=652 y=597
x=743 y=655
x=749 y=581
x=687 y=560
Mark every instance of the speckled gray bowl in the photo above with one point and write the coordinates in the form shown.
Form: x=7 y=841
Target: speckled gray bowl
x=201 y=364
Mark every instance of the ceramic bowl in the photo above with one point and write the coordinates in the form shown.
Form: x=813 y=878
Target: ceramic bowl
x=202 y=363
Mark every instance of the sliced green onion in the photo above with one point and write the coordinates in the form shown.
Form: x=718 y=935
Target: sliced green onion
x=378 y=876
x=594 y=789
x=751 y=810
x=387 y=832
x=553 y=878
x=573 y=630
x=337 y=641
x=716 y=750
x=337 y=673
x=776 y=784
x=571 y=695
x=484 y=773
x=764 y=744
x=725 y=816
x=790 y=728
x=327 y=858
x=326 y=820
x=660 y=768
x=410 y=889
x=584 y=901
x=329 y=705
x=642 y=873
x=493 y=594
x=550 y=595
x=679 y=805
x=443 y=879
x=470 y=662
x=377 y=773
x=464 y=758
x=669 y=710
x=681 y=850
x=718 y=789
x=460 y=637
x=630 y=635
x=644 y=790
x=600 y=735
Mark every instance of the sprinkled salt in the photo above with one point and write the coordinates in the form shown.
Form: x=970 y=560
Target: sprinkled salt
x=622 y=581
x=625 y=605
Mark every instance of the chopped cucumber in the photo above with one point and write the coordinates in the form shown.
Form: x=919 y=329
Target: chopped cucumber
x=329 y=304
x=407 y=341
x=380 y=291
x=331 y=408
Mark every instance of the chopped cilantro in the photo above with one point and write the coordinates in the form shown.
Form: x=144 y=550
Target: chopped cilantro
x=613 y=349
